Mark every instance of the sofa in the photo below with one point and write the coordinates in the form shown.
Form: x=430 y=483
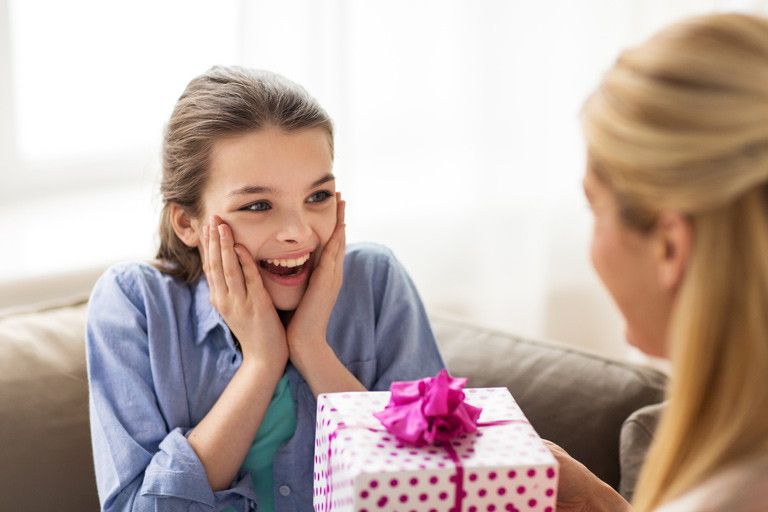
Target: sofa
x=602 y=411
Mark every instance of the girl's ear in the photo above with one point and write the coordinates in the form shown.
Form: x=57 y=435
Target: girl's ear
x=675 y=242
x=183 y=226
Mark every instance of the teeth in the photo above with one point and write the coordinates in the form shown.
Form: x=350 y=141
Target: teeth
x=290 y=263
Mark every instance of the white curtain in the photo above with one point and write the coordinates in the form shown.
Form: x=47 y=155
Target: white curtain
x=458 y=139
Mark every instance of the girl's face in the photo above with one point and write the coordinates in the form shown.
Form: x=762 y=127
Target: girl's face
x=277 y=193
x=626 y=262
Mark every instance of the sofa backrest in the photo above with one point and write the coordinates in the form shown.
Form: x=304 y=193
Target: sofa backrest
x=572 y=397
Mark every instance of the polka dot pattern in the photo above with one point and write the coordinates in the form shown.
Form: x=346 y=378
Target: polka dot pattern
x=360 y=466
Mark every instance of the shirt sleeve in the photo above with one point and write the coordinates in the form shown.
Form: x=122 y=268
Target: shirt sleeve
x=406 y=348
x=141 y=462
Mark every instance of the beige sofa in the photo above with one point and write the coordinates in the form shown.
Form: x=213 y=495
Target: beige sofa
x=600 y=410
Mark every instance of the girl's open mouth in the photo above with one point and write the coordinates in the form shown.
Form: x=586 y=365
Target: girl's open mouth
x=285 y=267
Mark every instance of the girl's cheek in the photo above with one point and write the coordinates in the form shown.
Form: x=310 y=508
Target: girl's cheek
x=329 y=225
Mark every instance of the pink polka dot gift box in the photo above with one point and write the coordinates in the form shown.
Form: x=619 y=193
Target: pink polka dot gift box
x=430 y=446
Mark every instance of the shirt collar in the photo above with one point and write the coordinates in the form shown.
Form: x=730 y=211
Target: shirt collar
x=206 y=316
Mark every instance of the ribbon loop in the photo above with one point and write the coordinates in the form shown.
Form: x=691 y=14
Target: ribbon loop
x=424 y=411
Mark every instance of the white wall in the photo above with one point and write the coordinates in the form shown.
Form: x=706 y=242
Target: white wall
x=458 y=140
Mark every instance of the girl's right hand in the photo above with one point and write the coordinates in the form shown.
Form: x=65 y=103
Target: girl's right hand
x=238 y=294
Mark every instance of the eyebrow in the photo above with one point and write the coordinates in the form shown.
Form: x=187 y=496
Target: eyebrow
x=325 y=179
x=254 y=189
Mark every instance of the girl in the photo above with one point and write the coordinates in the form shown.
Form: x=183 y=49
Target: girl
x=203 y=387
x=677 y=176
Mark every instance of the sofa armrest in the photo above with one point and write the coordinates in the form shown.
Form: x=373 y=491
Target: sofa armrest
x=636 y=437
x=44 y=428
x=572 y=397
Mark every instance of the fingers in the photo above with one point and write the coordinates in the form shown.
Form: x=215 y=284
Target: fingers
x=333 y=252
x=337 y=243
x=206 y=269
x=341 y=249
x=559 y=453
x=341 y=207
x=230 y=263
x=341 y=229
x=250 y=270
x=214 y=263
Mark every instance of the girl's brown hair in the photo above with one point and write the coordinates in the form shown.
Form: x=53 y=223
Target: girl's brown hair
x=223 y=102
x=679 y=124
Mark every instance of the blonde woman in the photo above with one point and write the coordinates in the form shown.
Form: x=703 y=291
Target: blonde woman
x=677 y=177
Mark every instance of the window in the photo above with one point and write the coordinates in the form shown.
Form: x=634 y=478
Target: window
x=93 y=82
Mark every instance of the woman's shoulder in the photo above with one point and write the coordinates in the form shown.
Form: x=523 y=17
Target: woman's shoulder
x=741 y=488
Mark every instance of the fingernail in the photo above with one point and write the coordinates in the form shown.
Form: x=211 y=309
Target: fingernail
x=222 y=233
x=206 y=233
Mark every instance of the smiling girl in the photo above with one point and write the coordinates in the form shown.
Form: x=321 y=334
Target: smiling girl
x=204 y=366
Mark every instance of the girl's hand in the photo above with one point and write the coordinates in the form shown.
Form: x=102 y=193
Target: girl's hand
x=238 y=294
x=308 y=347
x=308 y=325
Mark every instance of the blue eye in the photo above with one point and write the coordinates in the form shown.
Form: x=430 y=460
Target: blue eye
x=319 y=197
x=258 y=206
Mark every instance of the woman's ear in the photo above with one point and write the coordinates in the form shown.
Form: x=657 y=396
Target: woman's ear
x=675 y=237
x=183 y=226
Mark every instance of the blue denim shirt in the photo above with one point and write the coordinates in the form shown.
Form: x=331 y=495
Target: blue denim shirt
x=159 y=356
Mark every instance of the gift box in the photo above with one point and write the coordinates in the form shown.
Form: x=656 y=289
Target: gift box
x=361 y=466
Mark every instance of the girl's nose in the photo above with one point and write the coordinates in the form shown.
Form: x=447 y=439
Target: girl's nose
x=294 y=228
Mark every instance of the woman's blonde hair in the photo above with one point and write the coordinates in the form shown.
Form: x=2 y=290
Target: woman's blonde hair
x=681 y=124
x=222 y=102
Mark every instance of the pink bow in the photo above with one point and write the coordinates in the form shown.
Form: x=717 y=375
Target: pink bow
x=423 y=411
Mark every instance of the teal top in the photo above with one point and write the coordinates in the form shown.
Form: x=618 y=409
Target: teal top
x=276 y=428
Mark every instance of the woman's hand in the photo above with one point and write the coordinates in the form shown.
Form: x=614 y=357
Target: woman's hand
x=308 y=324
x=581 y=491
x=238 y=294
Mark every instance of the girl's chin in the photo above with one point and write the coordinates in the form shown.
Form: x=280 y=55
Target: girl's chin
x=286 y=301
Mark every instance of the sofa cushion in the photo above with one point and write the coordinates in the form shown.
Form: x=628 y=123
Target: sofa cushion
x=574 y=398
x=46 y=454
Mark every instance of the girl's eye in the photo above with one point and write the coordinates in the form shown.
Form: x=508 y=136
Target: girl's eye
x=319 y=197
x=259 y=206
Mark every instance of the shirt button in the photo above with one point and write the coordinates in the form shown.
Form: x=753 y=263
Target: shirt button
x=284 y=490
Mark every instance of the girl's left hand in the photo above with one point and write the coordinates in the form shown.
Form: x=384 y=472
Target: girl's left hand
x=308 y=325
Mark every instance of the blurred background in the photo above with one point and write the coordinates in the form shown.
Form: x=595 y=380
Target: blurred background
x=458 y=142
